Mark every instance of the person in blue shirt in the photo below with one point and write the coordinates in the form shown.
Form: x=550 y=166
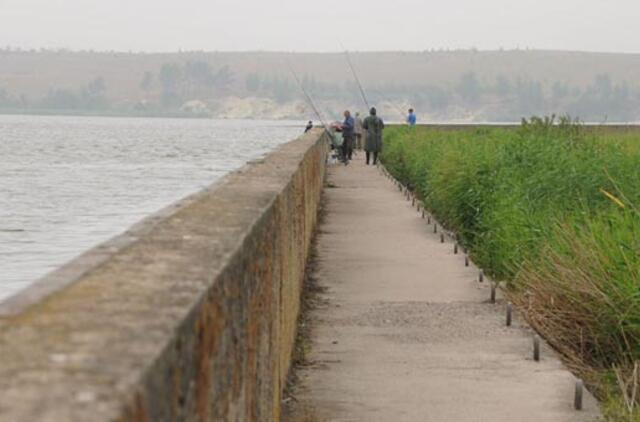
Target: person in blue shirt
x=348 y=135
x=411 y=118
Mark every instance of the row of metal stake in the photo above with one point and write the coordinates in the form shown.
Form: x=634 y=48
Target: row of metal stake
x=509 y=315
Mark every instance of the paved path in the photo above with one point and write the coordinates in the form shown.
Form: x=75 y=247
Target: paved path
x=406 y=333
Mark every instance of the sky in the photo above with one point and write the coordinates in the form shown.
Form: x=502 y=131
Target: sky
x=330 y=25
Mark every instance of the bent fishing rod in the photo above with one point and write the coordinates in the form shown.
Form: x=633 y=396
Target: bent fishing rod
x=355 y=76
x=362 y=93
x=308 y=97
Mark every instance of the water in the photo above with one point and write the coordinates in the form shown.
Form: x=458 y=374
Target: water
x=68 y=183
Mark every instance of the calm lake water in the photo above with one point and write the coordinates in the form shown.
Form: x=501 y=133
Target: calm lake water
x=69 y=183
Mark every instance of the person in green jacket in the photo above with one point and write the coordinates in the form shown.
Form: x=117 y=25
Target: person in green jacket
x=374 y=127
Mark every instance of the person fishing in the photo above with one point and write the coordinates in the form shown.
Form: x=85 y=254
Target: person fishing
x=348 y=135
x=358 y=131
x=374 y=127
x=309 y=126
x=411 y=118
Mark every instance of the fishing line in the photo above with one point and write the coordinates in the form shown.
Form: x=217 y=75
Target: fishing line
x=307 y=96
x=355 y=76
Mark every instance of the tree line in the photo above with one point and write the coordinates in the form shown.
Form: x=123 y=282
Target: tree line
x=511 y=98
x=91 y=96
x=502 y=98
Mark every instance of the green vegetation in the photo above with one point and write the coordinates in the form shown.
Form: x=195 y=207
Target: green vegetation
x=550 y=209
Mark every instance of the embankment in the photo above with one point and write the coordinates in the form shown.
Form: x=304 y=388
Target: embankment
x=190 y=315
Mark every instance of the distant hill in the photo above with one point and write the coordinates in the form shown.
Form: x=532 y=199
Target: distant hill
x=461 y=85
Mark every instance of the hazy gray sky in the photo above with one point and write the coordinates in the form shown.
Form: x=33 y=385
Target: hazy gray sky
x=161 y=25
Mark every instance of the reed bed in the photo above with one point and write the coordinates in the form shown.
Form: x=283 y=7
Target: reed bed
x=549 y=208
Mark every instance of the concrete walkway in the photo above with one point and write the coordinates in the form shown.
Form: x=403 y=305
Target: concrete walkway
x=406 y=333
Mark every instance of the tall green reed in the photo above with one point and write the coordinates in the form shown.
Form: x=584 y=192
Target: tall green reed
x=549 y=208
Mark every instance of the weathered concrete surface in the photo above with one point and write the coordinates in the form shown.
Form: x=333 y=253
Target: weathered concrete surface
x=189 y=316
x=406 y=332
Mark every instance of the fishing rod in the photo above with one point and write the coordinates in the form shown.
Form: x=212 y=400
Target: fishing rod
x=362 y=93
x=355 y=76
x=308 y=97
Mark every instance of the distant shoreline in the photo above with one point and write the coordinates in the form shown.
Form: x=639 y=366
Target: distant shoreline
x=433 y=123
x=462 y=85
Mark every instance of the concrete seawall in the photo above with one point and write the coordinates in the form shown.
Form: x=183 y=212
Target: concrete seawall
x=190 y=315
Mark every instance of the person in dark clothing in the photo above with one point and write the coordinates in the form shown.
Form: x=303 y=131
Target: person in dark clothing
x=359 y=132
x=348 y=135
x=374 y=127
x=309 y=126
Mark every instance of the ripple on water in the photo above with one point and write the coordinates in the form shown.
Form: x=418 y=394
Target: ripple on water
x=69 y=183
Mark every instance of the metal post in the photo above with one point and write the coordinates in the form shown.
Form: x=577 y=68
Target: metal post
x=577 y=400
x=536 y=348
x=455 y=249
x=466 y=261
x=481 y=276
x=509 y=314
x=493 y=293
x=441 y=237
x=435 y=228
